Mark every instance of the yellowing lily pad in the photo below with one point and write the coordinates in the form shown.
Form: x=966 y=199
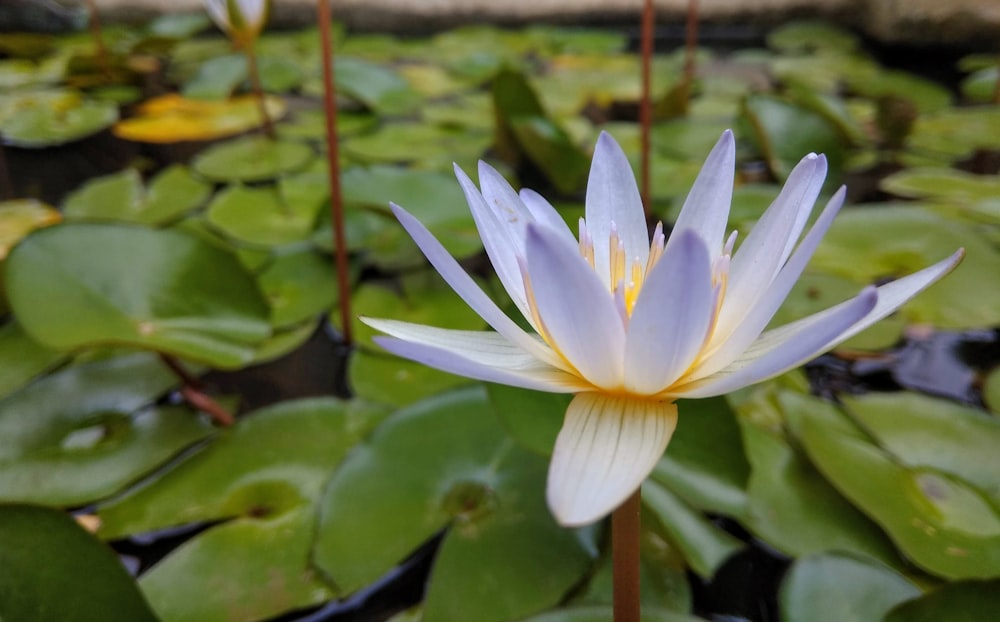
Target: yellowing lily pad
x=173 y=119
x=19 y=217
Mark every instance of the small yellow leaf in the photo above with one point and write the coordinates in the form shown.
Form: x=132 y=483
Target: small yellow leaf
x=173 y=118
x=20 y=217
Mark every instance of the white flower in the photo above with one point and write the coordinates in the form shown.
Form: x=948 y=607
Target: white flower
x=629 y=326
x=242 y=20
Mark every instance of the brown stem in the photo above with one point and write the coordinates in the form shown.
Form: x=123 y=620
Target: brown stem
x=95 y=32
x=258 y=91
x=690 y=50
x=193 y=393
x=324 y=17
x=625 y=558
x=646 y=103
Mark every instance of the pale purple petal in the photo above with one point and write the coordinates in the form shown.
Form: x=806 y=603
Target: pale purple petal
x=613 y=197
x=505 y=204
x=576 y=310
x=757 y=315
x=706 y=208
x=761 y=256
x=777 y=352
x=544 y=214
x=671 y=317
x=543 y=378
x=466 y=288
x=607 y=446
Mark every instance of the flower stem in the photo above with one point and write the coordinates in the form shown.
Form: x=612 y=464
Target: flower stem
x=324 y=17
x=690 y=52
x=625 y=557
x=95 y=33
x=258 y=91
x=646 y=103
x=194 y=394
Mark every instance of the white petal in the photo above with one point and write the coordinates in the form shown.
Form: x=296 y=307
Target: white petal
x=671 y=317
x=772 y=239
x=757 y=314
x=605 y=449
x=500 y=242
x=466 y=288
x=484 y=347
x=706 y=208
x=218 y=12
x=891 y=296
x=778 y=351
x=577 y=312
x=613 y=197
x=541 y=378
x=505 y=204
x=544 y=214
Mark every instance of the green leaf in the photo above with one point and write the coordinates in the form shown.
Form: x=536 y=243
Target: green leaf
x=251 y=158
x=964 y=601
x=791 y=505
x=533 y=418
x=44 y=126
x=603 y=614
x=705 y=463
x=80 y=442
x=376 y=86
x=704 y=546
x=446 y=461
x=836 y=588
x=922 y=431
x=217 y=77
x=22 y=358
x=86 y=284
x=270 y=216
x=372 y=373
x=262 y=477
x=298 y=286
x=807 y=36
x=943 y=524
x=54 y=570
x=121 y=196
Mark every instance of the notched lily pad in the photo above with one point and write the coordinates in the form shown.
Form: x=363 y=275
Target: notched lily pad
x=123 y=197
x=87 y=284
x=269 y=216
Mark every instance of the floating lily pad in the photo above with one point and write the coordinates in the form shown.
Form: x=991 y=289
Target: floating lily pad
x=445 y=461
x=533 y=418
x=836 y=588
x=123 y=197
x=980 y=85
x=262 y=477
x=54 y=570
x=270 y=216
x=22 y=358
x=217 y=78
x=19 y=217
x=174 y=119
x=376 y=86
x=39 y=127
x=603 y=614
x=956 y=133
x=285 y=341
x=396 y=381
x=311 y=125
x=972 y=194
x=918 y=238
x=962 y=601
x=87 y=284
x=942 y=523
x=806 y=36
x=80 y=442
x=298 y=286
x=434 y=147
x=252 y=158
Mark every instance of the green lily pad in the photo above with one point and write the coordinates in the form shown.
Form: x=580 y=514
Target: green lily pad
x=603 y=614
x=923 y=431
x=962 y=601
x=806 y=36
x=785 y=132
x=956 y=133
x=663 y=581
x=311 y=125
x=54 y=570
x=284 y=341
x=919 y=238
x=941 y=523
x=980 y=85
x=298 y=286
x=434 y=147
x=22 y=358
x=80 y=443
x=270 y=216
x=261 y=477
x=946 y=185
x=791 y=505
x=86 y=284
x=705 y=463
x=446 y=461
x=836 y=588
x=251 y=158
x=378 y=87
x=991 y=391
x=39 y=127
x=217 y=78
x=704 y=546
x=123 y=197
x=178 y=25
x=533 y=418
x=396 y=381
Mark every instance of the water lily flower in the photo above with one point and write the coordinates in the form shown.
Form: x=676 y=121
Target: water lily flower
x=631 y=325
x=242 y=20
